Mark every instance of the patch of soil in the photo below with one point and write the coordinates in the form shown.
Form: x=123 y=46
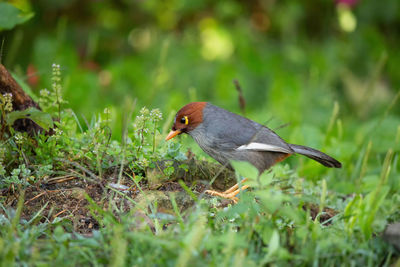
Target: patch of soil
x=66 y=196
x=326 y=214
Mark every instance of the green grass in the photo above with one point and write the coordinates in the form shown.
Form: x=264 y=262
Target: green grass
x=337 y=90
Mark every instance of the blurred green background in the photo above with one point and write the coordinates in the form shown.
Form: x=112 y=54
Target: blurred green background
x=293 y=59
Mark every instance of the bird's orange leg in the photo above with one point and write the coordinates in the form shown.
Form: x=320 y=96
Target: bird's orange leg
x=230 y=193
x=235 y=187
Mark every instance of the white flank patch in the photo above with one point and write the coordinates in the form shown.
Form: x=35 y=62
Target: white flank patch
x=263 y=147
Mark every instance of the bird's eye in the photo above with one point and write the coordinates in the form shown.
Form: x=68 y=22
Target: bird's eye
x=185 y=120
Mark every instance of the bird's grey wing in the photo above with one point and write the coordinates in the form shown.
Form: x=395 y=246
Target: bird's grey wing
x=230 y=131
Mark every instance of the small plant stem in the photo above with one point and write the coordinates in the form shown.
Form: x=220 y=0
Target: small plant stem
x=141 y=141
x=154 y=137
x=59 y=107
x=364 y=163
x=332 y=120
x=122 y=165
x=142 y=138
x=141 y=134
x=2 y=122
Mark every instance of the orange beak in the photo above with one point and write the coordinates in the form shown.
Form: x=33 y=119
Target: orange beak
x=172 y=134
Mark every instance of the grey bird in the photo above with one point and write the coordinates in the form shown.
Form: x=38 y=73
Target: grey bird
x=226 y=136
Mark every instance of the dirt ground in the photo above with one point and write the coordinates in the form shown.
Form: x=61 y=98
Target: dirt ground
x=65 y=196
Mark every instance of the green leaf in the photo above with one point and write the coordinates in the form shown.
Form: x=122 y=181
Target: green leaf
x=267 y=177
x=273 y=245
x=10 y=16
x=245 y=169
x=41 y=118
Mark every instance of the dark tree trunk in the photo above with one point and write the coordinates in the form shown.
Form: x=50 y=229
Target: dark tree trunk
x=21 y=101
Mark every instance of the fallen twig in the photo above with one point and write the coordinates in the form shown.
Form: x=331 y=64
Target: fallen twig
x=55 y=181
x=41 y=194
x=58 y=214
x=35 y=197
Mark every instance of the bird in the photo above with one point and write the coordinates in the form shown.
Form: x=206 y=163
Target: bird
x=226 y=136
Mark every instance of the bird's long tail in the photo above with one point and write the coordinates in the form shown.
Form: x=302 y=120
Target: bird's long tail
x=316 y=155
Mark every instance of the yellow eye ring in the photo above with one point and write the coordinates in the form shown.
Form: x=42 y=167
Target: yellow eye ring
x=185 y=120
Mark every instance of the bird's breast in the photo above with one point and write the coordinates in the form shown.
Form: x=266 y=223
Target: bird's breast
x=211 y=145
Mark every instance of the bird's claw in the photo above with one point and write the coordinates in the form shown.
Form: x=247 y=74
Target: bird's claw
x=230 y=196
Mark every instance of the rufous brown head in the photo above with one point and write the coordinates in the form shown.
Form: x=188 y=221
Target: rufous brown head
x=187 y=118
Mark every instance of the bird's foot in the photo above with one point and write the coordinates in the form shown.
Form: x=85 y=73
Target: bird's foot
x=230 y=193
x=229 y=196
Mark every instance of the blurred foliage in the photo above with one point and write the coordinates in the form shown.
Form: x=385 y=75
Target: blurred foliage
x=276 y=49
x=10 y=16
